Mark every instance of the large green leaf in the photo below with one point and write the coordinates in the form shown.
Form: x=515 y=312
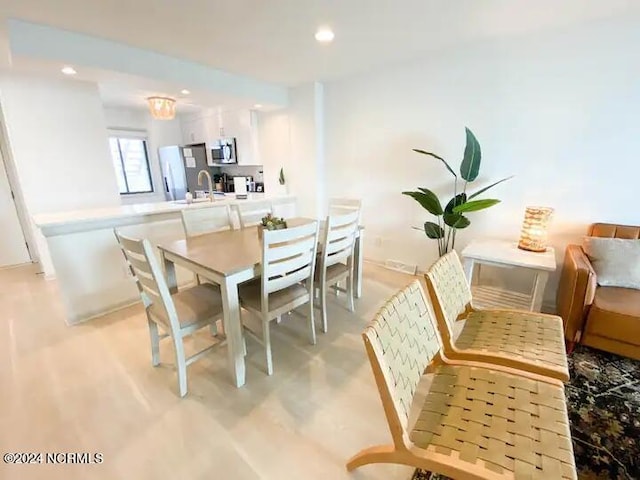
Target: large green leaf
x=427 y=199
x=475 y=205
x=455 y=201
x=433 y=230
x=482 y=190
x=438 y=157
x=456 y=220
x=470 y=166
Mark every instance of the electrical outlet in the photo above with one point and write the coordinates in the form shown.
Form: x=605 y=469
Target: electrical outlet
x=377 y=242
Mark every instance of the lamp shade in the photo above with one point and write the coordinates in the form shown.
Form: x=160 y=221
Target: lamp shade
x=162 y=108
x=534 y=229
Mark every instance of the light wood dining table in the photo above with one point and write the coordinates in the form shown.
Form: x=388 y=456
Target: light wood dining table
x=228 y=259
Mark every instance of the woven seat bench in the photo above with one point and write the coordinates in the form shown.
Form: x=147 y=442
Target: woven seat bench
x=529 y=341
x=475 y=422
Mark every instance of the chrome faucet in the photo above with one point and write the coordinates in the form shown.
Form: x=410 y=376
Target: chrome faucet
x=206 y=174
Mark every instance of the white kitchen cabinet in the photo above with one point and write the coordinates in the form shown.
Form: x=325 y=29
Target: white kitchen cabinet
x=211 y=127
x=193 y=131
x=243 y=125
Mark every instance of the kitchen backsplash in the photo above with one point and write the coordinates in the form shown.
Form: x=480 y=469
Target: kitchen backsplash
x=242 y=170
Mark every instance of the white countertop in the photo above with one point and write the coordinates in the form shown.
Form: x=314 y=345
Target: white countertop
x=507 y=253
x=88 y=219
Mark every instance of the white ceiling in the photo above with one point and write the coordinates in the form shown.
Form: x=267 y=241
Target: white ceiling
x=273 y=40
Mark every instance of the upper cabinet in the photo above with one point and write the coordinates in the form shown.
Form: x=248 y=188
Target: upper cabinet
x=199 y=129
x=241 y=124
x=193 y=130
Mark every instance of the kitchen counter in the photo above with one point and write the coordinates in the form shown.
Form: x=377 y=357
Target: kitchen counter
x=52 y=224
x=79 y=249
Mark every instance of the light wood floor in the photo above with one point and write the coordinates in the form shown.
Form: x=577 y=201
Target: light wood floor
x=91 y=388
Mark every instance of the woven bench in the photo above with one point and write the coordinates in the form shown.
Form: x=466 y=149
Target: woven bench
x=529 y=341
x=475 y=423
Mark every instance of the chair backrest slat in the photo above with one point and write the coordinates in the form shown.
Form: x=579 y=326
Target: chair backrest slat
x=139 y=265
x=290 y=264
x=202 y=220
x=449 y=290
x=250 y=214
x=340 y=206
x=284 y=281
x=288 y=257
x=288 y=249
x=345 y=203
x=150 y=279
x=339 y=238
x=402 y=341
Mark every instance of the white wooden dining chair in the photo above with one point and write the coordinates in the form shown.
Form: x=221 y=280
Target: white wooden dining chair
x=335 y=262
x=178 y=315
x=250 y=214
x=345 y=203
x=202 y=220
x=339 y=205
x=288 y=264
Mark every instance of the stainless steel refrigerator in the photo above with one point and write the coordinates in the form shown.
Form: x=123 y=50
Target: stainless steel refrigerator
x=180 y=166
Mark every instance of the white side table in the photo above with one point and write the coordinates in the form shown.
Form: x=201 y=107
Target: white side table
x=506 y=254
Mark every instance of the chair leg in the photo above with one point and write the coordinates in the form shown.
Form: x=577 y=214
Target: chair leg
x=570 y=347
x=350 y=292
x=181 y=365
x=155 y=343
x=377 y=454
x=312 y=324
x=213 y=328
x=323 y=307
x=266 y=338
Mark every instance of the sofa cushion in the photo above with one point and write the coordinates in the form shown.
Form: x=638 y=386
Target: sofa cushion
x=616 y=261
x=615 y=314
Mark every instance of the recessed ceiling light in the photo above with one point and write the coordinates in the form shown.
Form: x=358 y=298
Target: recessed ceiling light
x=324 y=35
x=257 y=105
x=68 y=70
x=185 y=91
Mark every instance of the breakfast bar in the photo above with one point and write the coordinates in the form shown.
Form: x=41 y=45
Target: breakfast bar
x=80 y=251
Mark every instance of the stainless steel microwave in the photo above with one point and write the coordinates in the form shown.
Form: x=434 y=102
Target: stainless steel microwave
x=223 y=151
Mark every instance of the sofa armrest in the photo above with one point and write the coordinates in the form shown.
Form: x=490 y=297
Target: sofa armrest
x=576 y=290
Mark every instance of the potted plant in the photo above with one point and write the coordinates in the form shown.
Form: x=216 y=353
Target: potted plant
x=271 y=223
x=282 y=182
x=452 y=217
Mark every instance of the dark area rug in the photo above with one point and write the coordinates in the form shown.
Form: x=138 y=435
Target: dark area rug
x=604 y=410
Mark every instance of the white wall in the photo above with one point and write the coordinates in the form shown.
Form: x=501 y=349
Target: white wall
x=160 y=133
x=275 y=148
x=557 y=109
x=56 y=132
x=305 y=173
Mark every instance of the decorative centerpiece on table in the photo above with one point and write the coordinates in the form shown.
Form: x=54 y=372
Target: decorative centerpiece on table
x=271 y=223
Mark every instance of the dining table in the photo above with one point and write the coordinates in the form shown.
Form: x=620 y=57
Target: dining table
x=229 y=258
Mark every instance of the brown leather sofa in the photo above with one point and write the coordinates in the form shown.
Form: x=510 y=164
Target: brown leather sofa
x=607 y=318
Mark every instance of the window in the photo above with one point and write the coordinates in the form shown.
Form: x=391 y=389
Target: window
x=132 y=164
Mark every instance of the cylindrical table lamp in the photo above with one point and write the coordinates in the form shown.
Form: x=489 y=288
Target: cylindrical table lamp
x=534 y=229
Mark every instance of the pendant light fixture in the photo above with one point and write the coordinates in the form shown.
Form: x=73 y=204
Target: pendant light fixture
x=162 y=108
